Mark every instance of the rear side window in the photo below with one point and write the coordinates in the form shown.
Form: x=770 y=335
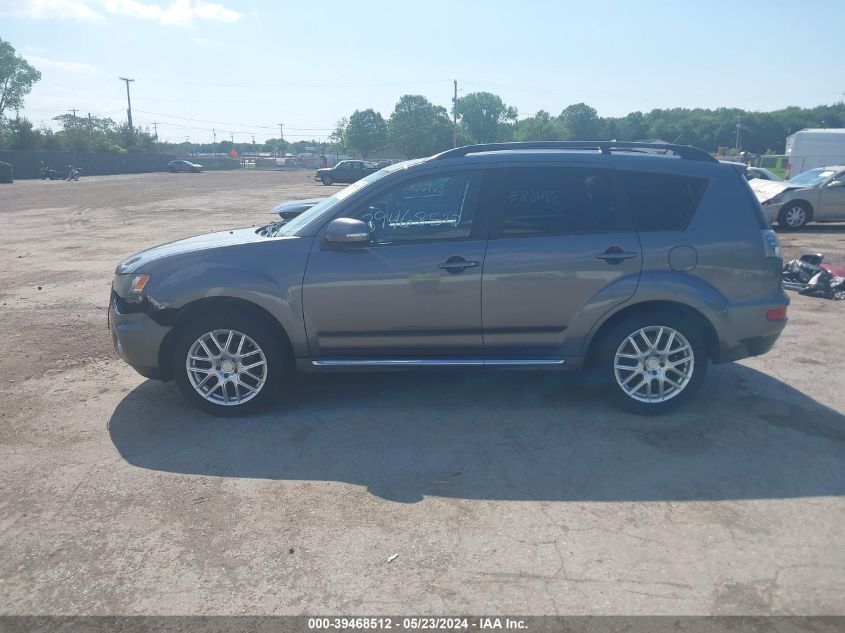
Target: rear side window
x=662 y=202
x=555 y=201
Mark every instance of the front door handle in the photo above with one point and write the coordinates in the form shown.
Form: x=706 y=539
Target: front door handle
x=615 y=255
x=457 y=264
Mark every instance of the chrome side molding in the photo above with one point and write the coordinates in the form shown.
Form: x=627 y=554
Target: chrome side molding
x=437 y=362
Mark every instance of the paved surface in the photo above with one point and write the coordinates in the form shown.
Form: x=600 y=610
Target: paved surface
x=504 y=493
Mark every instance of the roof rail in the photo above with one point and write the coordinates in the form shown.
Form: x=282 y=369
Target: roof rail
x=687 y=152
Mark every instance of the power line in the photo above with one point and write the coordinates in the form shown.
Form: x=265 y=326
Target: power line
x=231 y=123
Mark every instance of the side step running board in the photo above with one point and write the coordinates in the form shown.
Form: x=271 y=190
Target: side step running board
x=433 y=362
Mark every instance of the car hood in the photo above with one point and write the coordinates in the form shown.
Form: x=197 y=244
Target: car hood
x=765 y=190
x=138 y=261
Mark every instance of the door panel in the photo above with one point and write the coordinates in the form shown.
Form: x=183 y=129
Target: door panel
x=533 y=287
x=415 y=290
x=560 y=238
x=832 y=201
x=394 y=300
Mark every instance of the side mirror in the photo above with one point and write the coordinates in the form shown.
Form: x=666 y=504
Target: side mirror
x=347 y=232
x=836 y=183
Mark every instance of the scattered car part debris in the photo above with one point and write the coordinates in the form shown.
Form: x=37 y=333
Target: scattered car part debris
x=810 y=276
x=392 y=558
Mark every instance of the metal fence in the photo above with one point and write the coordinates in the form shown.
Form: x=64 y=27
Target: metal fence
x=28 y=163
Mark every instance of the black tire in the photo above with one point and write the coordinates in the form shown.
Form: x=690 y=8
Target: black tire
x=278 y=365
x=792 y=211
x=326 y=180
x=611 y=342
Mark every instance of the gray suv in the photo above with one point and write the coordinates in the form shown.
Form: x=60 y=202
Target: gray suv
x=640 y=263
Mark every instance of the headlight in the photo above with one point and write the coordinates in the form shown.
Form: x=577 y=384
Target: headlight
x=776 y=200
x=130 y=286
x=136 y=286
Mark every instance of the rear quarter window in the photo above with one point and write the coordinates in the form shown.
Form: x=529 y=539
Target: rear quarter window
x=661 y=202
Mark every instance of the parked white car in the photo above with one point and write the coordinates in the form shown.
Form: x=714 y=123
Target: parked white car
x=817 y=195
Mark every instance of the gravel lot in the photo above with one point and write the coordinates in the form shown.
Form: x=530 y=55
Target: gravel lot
x=500 y=492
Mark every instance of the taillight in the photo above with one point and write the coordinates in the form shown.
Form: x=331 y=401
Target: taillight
x=771 y=244
x=778 y=314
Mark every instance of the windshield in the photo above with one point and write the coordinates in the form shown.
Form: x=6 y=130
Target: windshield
x=811 y=178
x=324 y=207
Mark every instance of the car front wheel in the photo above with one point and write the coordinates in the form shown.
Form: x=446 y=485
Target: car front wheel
x=229 y=365
x=326 y=180
x=653 y=363
x=793 y=216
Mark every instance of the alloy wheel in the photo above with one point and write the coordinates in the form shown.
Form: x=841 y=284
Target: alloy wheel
x=654 y=364
x=226 y=367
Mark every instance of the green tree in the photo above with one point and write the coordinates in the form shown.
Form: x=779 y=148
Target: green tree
x=366 y=132
x=485 y=116
x=581 y=121
x=339 y=134
x=16 y=78
x=540 y=127
x=419 y=128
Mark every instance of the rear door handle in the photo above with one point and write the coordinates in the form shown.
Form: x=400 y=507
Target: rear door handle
x=457 y=264
x=615 y=255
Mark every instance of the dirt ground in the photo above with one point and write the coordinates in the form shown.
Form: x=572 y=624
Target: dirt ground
x=499 y=492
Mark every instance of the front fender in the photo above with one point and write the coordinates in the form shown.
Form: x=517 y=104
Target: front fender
x=268 y=283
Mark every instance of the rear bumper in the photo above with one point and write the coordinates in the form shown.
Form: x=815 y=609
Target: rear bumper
x=744 y=330
x=749 y=347
x=137 y=339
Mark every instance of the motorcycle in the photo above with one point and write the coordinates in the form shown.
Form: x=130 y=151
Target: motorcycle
x=47 y=173
x=74 y=173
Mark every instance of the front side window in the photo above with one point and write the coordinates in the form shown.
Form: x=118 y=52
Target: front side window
x=433 y=208
x=556 y=201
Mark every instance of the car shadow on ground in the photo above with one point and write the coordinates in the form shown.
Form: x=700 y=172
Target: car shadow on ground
x=498 y=435
x=813 y=228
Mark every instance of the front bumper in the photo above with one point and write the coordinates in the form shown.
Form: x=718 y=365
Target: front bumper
x=137 y=338
x=772 y=210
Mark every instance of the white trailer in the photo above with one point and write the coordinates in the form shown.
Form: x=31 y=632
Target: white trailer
x=813 y=148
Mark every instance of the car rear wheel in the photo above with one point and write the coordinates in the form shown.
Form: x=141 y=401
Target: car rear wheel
x=326 y=180
x=652 y=363
x=794 y=215
x=229 y=365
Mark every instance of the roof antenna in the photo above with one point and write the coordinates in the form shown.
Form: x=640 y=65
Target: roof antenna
x=675 y=142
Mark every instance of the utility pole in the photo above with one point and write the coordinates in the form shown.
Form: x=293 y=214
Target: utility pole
x=90 y=121
x=455 y=116
x=128 y=103
x=74 y=115
x=155 y=129
x=738 y=133
x=232 y=136
x=282 y=133
x=214 y=135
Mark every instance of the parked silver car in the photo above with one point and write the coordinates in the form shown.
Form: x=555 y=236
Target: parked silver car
x=817 y=195
x=640 y=267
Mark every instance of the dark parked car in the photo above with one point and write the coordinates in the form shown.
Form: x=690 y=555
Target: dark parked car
x=345 y=171
x=183 y=165
x=641 y=268
x=292 y=208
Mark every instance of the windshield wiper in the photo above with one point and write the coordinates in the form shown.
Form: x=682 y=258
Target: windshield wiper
x=271 y=229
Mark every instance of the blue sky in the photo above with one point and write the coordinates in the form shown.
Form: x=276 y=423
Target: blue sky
x=247 y=66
